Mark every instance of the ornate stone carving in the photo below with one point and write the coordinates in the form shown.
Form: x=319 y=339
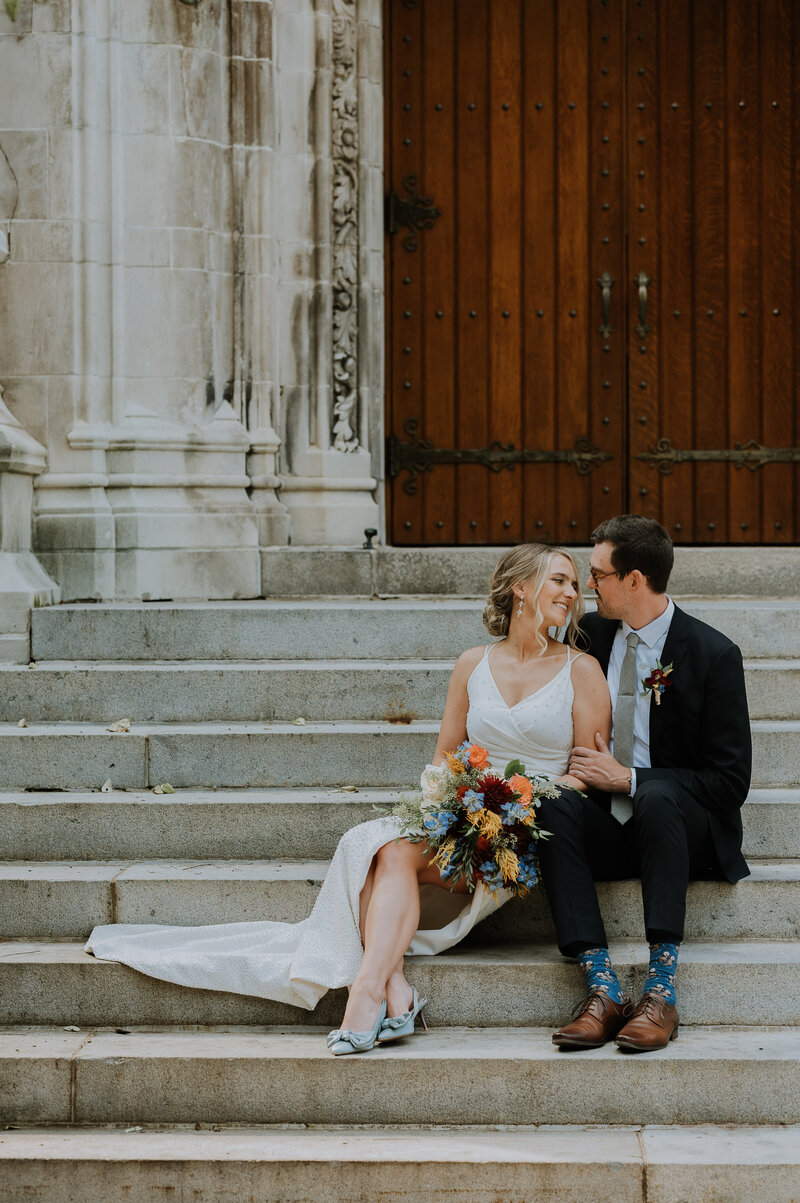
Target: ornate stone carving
x=9 y=195
x=345 y=227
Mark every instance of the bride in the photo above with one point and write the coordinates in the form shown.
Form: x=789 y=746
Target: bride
x=527 y=697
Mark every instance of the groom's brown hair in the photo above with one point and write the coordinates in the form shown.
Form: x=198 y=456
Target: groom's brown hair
x=638 y=542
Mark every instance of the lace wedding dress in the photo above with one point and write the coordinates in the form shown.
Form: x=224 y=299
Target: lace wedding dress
x=298 y=962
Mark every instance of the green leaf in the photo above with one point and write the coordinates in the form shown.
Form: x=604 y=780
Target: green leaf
x=514 y=766
x=11 y=8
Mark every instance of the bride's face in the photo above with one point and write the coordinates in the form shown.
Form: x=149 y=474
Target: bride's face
x=558 y=593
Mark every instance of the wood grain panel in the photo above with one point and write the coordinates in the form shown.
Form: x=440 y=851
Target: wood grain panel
x=743 y=261
x=505 y=267
x=644 y=253
x=675 y=218
x=607 y=401
x=778 y=425
x=539 y=266
x=709 y=246
x=405 y=309
x=572 y=292
x=438 y=248
x=472 y=291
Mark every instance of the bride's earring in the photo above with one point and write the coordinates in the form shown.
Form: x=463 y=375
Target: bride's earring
x=519 y=608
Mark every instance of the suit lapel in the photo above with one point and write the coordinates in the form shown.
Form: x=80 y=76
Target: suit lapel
x=672 y=654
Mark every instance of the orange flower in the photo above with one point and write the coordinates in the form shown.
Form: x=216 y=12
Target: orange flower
x=478 y=757
x=454 y=764
x=522 y=786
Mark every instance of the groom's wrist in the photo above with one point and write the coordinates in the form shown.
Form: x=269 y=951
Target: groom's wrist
x=632 y=783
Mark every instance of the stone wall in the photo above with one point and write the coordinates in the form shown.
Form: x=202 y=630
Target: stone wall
x=191 y=298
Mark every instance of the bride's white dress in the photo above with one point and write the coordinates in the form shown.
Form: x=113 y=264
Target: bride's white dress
x=298 y=962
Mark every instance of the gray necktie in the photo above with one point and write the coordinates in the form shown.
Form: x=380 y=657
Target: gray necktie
x=622 y=804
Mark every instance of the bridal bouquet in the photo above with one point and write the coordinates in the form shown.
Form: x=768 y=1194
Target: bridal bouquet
x=478 y=825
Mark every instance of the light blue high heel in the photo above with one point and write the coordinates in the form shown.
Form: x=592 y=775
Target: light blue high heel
x=344 y=1041
x=397 y=1026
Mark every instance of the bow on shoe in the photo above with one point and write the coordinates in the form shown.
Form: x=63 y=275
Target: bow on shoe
x=361 y=1042
x=392 y=1022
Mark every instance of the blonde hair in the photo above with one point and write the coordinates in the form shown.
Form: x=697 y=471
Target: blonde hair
x=520 y=565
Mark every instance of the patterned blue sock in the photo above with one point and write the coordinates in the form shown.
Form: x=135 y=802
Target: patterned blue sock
x=600 y=977
x=661 y=978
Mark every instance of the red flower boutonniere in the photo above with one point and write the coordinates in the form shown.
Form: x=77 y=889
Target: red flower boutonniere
x=658 y=681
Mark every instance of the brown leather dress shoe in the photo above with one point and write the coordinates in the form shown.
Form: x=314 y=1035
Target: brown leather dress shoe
x=653 y=1024
x=597 y=1020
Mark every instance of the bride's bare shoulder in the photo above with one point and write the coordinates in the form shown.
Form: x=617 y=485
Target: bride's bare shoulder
x=468 y=660
x=587 y=671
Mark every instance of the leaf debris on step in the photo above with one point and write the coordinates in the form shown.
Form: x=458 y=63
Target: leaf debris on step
x=122 y=726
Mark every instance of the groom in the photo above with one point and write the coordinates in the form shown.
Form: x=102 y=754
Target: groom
x=665 y=797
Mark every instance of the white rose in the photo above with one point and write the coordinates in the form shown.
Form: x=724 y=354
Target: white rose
x=432 y=785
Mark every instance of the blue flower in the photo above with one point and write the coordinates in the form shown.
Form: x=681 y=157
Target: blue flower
x=462 y=753
x=438 y=823
x=528 y=876
x=492 y=877
x=513 y=812
x=473 y=801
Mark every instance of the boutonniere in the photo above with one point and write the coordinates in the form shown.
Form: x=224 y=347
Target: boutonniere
x=658 y=681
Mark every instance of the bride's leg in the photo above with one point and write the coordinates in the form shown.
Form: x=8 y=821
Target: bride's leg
x=392 y=917
x=364 y=899
x=399 y=991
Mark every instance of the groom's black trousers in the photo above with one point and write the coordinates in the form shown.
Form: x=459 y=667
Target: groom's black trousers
x=666 y=843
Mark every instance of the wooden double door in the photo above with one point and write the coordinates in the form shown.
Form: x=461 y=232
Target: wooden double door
x=593 y=260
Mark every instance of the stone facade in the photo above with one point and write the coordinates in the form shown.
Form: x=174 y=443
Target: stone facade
x=191 y=272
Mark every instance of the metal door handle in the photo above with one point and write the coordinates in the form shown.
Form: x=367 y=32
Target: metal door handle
x=606 y=283
x=642 y=281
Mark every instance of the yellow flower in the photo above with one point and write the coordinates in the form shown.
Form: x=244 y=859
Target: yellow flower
x=491 y=824
x=443 y=854
x=475 y=817
x=454 y=764
x=508 y=864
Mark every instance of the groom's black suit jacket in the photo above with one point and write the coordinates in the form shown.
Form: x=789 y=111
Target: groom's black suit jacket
x=700 y=733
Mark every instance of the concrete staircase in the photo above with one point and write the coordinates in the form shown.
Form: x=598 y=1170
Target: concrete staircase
x=167 y=1092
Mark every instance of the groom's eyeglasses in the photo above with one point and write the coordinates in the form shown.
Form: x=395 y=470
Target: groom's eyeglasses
x=599 y=576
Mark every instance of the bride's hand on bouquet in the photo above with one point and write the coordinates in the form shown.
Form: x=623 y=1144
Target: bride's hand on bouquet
x=598 y=768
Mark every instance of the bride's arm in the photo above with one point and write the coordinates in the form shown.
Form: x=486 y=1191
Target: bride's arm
x=453 y=730
x=591 y=710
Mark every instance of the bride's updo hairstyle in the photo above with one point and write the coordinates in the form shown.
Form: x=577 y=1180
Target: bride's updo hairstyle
x=519 y=566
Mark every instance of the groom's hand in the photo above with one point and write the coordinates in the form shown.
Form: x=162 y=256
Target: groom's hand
x=598 y=768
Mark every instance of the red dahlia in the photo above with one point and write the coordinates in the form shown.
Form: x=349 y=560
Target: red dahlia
x=496 y=792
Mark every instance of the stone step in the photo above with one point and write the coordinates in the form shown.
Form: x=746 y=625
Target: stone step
x=341 y=1164
x=352 y=628
x=232 y=755
x=750 y=572
x=65 y=900
x=224 y=824
x=502 y=1075
x=750 y=983
x=280 y=690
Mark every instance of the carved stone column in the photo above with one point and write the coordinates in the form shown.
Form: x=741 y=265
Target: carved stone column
x=254 y=254
x=326 y=472
x=147 y=490
x=23 y=581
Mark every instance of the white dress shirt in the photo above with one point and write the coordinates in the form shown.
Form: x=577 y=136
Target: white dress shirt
x=652 y=640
